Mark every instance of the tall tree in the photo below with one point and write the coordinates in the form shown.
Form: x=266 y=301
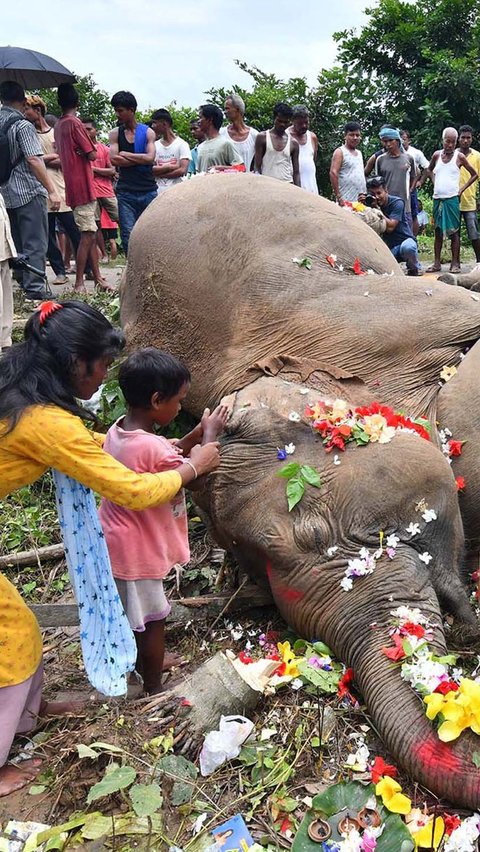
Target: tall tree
x=422 y=58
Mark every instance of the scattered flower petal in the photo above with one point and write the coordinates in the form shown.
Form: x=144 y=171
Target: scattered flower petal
x=332 y=550
x=289 y=449
x=448 y=373
x=294 y=417
x=346 y=584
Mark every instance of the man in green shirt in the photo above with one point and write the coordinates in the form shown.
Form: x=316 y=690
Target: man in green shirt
x=217 y=151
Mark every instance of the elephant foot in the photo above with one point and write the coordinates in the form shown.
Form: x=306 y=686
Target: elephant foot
x=448 y=278
x=464 y=637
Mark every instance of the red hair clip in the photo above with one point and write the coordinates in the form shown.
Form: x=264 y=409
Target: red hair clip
x=47 y=308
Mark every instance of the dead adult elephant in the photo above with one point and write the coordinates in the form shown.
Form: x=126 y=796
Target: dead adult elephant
x=210 y=276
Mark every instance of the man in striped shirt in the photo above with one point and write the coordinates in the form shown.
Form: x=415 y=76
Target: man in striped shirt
x=26 y=191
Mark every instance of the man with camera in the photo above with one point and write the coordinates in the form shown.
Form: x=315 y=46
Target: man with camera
x=395 y=228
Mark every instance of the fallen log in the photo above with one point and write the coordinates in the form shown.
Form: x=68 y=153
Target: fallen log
x=34 y=556
x=183 y=610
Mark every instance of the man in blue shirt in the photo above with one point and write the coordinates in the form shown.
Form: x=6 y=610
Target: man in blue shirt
x=398 y=234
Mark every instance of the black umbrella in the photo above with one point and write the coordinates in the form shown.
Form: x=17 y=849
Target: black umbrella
x=31 y=69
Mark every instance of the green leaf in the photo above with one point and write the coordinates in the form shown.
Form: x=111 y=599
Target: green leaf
x=289 y=470
x=184 y=772
x=36 y=789
x=407 y=648
x=322 y=649
x=323 y=680
x=112 y=782
x=107 y=747
x=145 y=798
x=86 y=751
x=295 y=491
x=476 y=759
x=344 y=795
x=310 y=475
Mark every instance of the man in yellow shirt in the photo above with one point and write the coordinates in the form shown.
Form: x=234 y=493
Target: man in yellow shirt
x=468 y=199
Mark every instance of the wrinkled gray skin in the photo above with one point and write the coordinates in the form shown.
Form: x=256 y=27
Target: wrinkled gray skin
x=186 y=290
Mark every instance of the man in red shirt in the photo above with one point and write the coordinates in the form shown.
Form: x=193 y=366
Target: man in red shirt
x=76 y=150
x=103 y=174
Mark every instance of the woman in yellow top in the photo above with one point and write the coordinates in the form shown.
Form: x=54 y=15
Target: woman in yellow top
x=64 y=357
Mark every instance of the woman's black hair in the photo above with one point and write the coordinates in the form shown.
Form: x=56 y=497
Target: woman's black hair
x=41 y=369
x=148 y=371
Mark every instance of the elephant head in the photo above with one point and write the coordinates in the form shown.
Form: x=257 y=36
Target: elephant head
x=303 y=555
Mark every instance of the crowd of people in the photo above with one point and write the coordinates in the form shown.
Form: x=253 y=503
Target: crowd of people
x=66 y=192
x=389 y=182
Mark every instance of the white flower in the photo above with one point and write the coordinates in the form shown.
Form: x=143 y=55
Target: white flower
x=238 y=633
x=304 y=390
x=358 y=760
x=332 y=550
x=366 y=293
x=413 y=529
x=429 y=515
x=346 y=584
x=463 y=838
x=340 y=409
x=404 y=613
x=289 y=449
x=422 y=672
x=297 y=683
x=294 y=417
x=198 y=824
x=392 y=541
x=425 y=557
x=336 y=460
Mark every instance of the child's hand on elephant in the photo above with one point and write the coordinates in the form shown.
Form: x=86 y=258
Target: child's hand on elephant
x=205 y=457
x=214 y=423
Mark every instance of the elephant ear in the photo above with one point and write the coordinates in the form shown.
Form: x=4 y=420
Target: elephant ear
x=322 y=376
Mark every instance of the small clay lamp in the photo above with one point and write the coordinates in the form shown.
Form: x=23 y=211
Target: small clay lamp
x=348 y=823
x=319 y=830
x=369 y=818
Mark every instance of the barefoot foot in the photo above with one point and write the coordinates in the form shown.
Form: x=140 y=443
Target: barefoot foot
x=62 y=708
x=172 y=660
x=14 y=777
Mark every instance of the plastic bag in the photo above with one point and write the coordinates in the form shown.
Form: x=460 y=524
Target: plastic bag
x=225 y=743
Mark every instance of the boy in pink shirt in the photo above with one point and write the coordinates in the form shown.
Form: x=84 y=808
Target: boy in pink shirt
x=144 y=546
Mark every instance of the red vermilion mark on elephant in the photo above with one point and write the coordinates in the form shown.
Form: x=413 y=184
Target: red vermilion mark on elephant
x=437 y=755
x=285 y=592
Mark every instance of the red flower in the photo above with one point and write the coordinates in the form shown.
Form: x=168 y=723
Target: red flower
x=344 y=684
x=397 y=653
x=47 y=308
x=245 y=658
x=380 y=768
x=357 y=268
x=335 y=441
x=281 y=669
x=452 y=821
x=454 y=448
x=446 y=686
x=460 y=482
x=331 y=260
x=286 y=825
x=413 y=629
x=475 y=576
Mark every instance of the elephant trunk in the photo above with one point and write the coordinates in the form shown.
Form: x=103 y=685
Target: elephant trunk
x=399 y=714
x=356 y=626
